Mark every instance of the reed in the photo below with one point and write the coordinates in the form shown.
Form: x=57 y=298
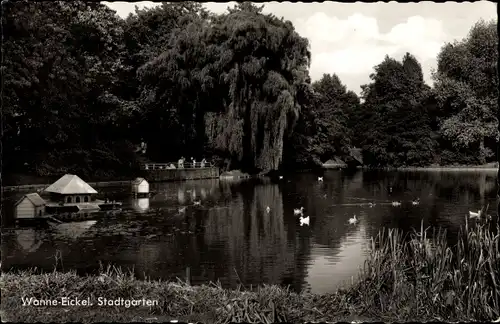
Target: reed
x=420 y=277
x=414 y=277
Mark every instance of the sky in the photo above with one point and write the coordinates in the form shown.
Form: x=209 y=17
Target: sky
x=349 y=39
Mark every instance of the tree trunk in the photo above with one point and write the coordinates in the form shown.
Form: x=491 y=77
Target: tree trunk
x=481 y=151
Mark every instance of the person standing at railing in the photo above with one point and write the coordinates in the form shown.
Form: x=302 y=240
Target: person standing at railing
x=203 y=162
x=194 y=162
x=181 y=163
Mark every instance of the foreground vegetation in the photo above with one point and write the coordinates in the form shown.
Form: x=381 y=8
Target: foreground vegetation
x=413 y=277
x=83 y=87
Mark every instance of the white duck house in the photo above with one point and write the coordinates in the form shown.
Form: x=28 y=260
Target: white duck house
x=140 y=186
x=30 y=206
x=71 y=189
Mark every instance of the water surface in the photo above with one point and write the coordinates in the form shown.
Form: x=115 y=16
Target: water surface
x=231 y=238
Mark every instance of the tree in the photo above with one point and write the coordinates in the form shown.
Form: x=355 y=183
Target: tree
x=398 y=132
x=242 y=74
x=327 y=120
x=59 y=71
x=466 y=89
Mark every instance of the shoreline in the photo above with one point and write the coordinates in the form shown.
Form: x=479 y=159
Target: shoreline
x=394 y=286
x=455 y=168
x=238 y=175
x=159 y=301
x=99 y=184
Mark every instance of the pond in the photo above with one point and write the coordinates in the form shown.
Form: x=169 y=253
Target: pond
x=231 y=238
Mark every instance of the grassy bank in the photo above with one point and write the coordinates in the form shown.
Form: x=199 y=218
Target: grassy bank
x=405 y=278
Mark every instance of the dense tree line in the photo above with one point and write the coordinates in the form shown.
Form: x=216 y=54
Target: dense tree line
x=83 y=87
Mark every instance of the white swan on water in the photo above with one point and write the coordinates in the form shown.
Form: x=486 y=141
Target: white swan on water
x=197 y=203
x=320 y=178
x=396 y=203
x=475 y=215
x=298 y=211
x=353 y=220
x=304 y=220
x=281 y=177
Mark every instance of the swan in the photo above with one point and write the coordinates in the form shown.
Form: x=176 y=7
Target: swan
x=396 y=203
x=281 y=177
x=268 y=209
x=320 y=178
x=197 y=203
x=353 y=220
x=416 y=202
x=304 y=220
x=298 y=211
x=371 y=205
x=475 y=215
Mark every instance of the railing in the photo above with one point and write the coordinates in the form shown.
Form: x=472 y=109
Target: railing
x=176 y=165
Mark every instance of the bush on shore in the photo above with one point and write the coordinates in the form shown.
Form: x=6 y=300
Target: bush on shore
x=405 y=278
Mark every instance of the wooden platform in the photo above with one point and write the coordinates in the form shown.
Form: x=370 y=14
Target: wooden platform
x=83 y=207
x=160 y=172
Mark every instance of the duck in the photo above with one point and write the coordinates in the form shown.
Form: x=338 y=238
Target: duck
x=475 y=215
x=396 y=203
x=320 y=178
x=415 y=202
x=268 y=209
x=298 y=211
x=353 y=220
x=304 y=220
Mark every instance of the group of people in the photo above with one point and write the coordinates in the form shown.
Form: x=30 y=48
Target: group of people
x=180 y=163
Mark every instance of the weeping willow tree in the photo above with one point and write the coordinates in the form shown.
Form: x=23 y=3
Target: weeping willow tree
x=235 y=83
x=174 y=85
x=263 y=66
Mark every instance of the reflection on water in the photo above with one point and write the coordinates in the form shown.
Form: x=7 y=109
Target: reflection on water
x=29 y=240
x=225 y=233
x=73 y=230
x=343 y=263
x=141 y=205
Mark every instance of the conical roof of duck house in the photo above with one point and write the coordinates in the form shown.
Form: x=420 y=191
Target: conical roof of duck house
x=70 y=184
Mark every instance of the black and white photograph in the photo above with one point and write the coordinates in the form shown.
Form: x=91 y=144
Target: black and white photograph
x=249 y=162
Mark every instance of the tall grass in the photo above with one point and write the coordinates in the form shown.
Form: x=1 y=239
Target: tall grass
x=421 y=277
x=406 y=277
